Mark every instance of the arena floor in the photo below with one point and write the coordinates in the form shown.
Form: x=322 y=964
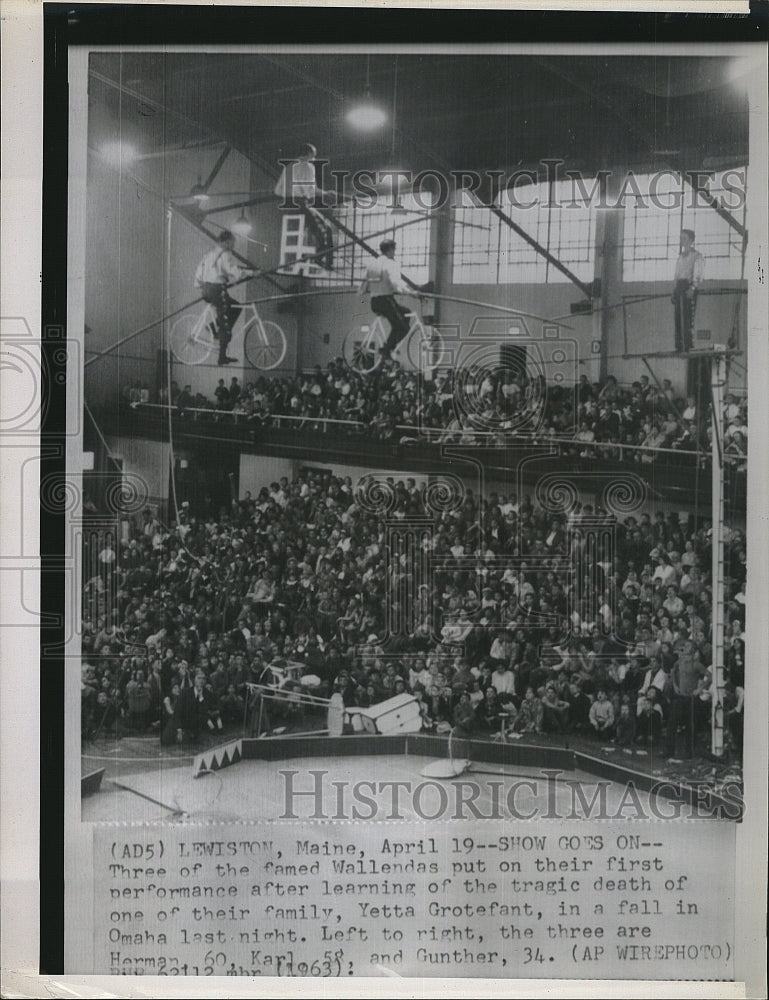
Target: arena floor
x=144 y=781
x=256 y=789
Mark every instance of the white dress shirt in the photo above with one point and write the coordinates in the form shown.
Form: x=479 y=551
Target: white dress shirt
x=218 y=267
x=689 y=267
x=383 y=277
x=302 y=175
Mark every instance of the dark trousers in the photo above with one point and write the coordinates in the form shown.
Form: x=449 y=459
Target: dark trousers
x=320 y=230
x=649 y=728
x=683 y=306
x=735 y=722
x=398 y=316
x=682 y=710
x=555 y=720
x=227 y=312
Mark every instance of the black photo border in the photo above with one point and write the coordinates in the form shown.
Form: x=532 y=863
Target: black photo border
x=154 y=25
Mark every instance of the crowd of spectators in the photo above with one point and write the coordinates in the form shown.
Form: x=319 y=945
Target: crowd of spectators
x=483 y=405
x=527 y=621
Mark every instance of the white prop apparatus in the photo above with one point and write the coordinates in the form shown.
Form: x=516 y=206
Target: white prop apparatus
x=450 y=767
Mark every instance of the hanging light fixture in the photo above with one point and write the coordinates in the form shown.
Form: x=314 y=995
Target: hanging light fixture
x=118 y=154
x=116 y=151
x=198 y=192
x=242 y=227
x=366 y=116
x=392 y=178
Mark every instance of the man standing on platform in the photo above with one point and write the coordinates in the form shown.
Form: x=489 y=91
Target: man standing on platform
x=688 y=278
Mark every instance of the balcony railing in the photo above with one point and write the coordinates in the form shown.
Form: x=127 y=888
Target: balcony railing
x=432 y=435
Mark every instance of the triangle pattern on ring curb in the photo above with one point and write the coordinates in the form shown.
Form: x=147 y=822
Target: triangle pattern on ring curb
x=217 y=758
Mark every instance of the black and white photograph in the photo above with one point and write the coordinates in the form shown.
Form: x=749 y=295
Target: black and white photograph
x=412 y=562
x=401 y=434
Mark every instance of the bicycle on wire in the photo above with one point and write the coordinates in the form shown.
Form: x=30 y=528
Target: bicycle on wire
x=193 y=338
x=423 y=346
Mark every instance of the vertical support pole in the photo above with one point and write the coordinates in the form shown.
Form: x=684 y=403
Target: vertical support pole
x=259 y=716
x=301 y=316
x=167 y=309
x=441 y=251
x=172 y=499
x=245 y=713
x=624 y=325
x=717 y=380
x=609 y=272
x=676 y=415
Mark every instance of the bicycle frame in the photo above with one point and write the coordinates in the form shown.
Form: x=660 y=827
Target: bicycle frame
x=263 y=341
x=362 y=348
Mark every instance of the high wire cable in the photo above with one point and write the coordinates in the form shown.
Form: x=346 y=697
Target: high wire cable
x=260 y=274
x=96 y=355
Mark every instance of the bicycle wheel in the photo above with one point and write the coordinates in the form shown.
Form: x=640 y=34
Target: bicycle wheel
x=361 y=348
x=264 y=343
x=191 y=339
x=426 y=348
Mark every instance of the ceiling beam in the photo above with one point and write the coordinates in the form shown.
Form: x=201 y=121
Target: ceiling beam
x=195 y=124
x=712 y=202
x=587 y=290
x=260 y=199
x=217 y=167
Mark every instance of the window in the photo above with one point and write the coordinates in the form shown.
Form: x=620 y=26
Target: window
x=488 y=251
x=378 y=223
x=666 y=203
x=409 y=226
x=477 y=236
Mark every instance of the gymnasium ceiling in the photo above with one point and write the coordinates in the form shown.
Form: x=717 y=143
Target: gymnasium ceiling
x=481 y=112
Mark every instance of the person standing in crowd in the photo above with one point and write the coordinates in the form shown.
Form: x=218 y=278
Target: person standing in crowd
x=688 y=277
x=169 y=716
x=139 y=701
x=686 y=676
x=197 y=710
x=216 y=271
x=625 y=731
x=649 y=718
